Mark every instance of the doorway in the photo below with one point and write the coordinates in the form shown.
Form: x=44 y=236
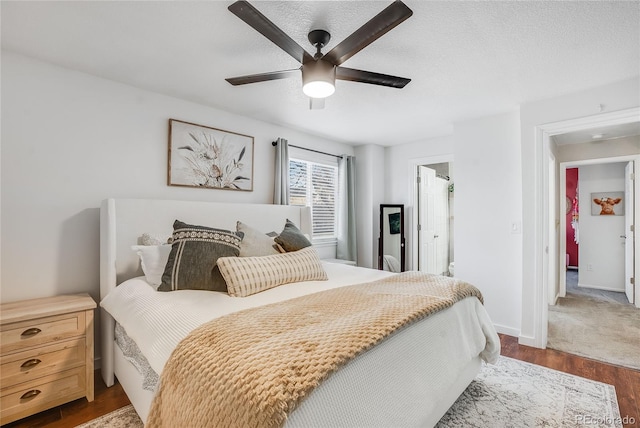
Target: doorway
x=597 y=251
x=413 y=220
x=434 y=202
x=597 y=277
x=540 y=282
x=597 y=284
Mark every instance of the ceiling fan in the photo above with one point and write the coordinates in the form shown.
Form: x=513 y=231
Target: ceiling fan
x=320 y=71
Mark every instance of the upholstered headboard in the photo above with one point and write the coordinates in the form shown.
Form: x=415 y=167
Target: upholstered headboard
x=123 y=221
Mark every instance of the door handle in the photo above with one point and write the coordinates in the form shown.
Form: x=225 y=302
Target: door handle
x=623 y=236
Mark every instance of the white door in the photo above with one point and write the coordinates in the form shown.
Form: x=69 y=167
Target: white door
x=628 y=231
x=426 y=221
x=553 y=233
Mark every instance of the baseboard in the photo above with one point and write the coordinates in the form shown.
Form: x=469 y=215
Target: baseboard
x=97 y=363
x=596 y=287
x=527 y=341
x=509 y=331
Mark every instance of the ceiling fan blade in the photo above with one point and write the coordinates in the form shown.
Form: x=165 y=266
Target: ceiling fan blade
x=352 y=75
x=262 y=25
x=263 y=77
x=380 y=24
x=316 y=103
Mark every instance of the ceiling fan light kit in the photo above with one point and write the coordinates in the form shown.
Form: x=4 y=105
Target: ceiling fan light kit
x=319 y=72
x=318 y=79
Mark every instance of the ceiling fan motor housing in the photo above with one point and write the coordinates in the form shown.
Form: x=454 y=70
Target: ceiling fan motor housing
x=319 y=38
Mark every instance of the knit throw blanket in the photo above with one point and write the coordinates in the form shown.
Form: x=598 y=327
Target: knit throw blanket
x=252 y=368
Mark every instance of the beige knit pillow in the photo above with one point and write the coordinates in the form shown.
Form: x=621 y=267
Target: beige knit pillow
x=250 y=275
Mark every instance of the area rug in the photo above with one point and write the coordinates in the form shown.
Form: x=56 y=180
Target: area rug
x=511 y=393
x=124 y=417
x=595 y=328
x=517 y=394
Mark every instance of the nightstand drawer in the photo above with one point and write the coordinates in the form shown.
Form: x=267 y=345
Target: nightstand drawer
x=48 y=359
x=45 y=392
x=20 y=335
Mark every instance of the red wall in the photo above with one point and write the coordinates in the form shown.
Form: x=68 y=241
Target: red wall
x=572 y=184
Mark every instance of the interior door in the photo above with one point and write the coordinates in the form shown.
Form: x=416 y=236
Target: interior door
x=628 y=231
x=426 y=221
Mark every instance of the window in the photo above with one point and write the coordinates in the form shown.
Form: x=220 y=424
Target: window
x=315 y=185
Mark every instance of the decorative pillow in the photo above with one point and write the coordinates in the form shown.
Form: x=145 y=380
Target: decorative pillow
x=149 y=239
x=255 y=243
x=153 y=259
x=291 y=238
x=251 y=275
x=194 y=252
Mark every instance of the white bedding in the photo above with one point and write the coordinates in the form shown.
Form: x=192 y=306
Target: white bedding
x=442 y=350
x=158 y=321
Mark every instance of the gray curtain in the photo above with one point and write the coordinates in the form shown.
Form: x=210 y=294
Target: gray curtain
x=281 y=184
x=347 y=246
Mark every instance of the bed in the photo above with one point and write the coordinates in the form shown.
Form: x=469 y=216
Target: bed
x=410 y=378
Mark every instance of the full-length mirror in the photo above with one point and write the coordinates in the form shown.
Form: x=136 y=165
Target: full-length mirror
x=391 y=242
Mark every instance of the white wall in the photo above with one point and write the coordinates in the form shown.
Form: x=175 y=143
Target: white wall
x=370 y=181
x=601 y=256
x=613 y=97
x=486 y=155
x=488 y=194
x=399 y=166
x=70 y=140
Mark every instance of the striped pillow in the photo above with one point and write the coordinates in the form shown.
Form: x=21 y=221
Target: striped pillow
x=192 y=260
x=250 y=275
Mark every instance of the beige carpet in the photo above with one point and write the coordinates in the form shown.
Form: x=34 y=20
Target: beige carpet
x=511 y=393
x=594 y=328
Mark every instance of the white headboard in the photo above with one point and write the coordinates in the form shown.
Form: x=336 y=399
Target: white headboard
x=123 y=221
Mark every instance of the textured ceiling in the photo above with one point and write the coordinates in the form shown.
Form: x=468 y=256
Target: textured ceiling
x=602 y=133
x=465 y=59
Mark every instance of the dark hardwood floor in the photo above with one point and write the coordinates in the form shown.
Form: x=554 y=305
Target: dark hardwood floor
x=626 y=382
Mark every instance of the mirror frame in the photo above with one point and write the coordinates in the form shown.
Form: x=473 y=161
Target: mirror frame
x=380 y=237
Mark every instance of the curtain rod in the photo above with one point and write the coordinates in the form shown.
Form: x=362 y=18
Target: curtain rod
x=275 y=143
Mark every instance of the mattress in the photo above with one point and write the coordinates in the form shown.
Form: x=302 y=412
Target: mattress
x=434 y=353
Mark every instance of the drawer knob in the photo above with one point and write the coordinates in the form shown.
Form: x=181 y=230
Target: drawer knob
x=30 y=332
x=30 y=363
x=30 y=394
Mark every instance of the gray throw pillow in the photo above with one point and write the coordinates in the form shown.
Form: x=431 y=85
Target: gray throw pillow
x=194 y=253
x=291 y=238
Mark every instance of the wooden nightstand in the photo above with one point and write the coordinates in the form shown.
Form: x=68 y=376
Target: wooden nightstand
x=46 y=354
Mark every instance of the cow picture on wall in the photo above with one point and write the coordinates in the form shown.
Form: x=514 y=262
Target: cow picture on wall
x=607 y=203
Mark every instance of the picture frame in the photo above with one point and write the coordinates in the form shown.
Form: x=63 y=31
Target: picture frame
x=607 y=203
x=394 y=223
x=210 y=158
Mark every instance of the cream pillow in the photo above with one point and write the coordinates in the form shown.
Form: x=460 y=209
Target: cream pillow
x=250 y=275
x=153 y=259
x=255 y=243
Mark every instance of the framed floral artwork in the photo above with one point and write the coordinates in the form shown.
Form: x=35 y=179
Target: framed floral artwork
x=200 y=156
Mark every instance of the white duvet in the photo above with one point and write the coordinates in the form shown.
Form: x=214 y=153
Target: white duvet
x=434 y=355
x=157 y=321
